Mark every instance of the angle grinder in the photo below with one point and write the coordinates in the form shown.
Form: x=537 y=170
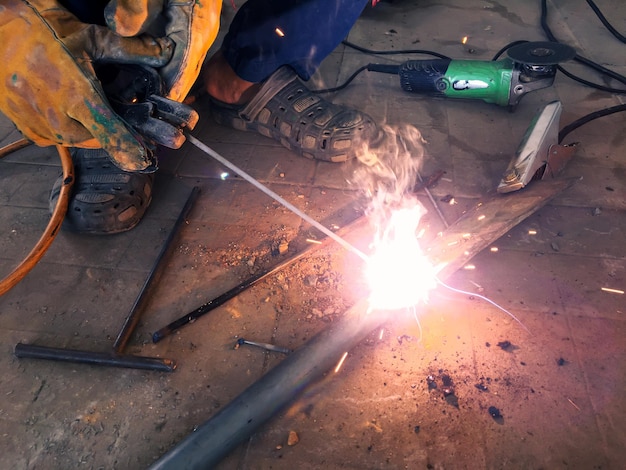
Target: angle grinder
x=529 y=66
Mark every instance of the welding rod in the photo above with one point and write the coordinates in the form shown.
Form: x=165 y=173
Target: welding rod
x=88 y=357
x=133 y=317
x=212 y=153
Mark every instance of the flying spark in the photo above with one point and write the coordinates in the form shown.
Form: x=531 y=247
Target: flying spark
x=612 y=291
x=340 y=363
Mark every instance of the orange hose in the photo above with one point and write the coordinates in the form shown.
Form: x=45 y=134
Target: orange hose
x=54 y=226
x=19 y=144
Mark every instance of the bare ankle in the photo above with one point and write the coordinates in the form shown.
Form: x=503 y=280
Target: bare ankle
x=222 y=83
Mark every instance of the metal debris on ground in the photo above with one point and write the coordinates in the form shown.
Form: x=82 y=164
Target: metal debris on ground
x=482 y=387
x=505 y=345
x=496 y=414
x=293 y=438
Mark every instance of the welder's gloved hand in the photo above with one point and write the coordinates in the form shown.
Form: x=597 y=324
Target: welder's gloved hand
x=192 y=26
x=48 y=86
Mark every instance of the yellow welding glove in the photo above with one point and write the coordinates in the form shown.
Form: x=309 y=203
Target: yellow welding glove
x=48 y=86
x=192 y=25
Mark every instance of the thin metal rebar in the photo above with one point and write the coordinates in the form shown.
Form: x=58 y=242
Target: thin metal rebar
x=135 y=312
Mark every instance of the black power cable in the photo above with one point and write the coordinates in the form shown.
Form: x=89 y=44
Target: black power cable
x=588 y=118
x=402 y=51
x=605 y=22
x=602 y=112
x=597 y=67
x=369 y=66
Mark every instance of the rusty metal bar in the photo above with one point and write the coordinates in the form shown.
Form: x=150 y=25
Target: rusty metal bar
x=225 y=297
x=89 y=357
x=155 y=273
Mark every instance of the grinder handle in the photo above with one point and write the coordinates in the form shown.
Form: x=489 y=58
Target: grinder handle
x=424 y=76
x=417 y=76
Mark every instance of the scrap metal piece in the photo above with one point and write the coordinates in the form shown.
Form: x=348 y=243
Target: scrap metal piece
x=261 y=401
x=488 y=221
x=90 y=357
x=532 y=154
x=266 y=346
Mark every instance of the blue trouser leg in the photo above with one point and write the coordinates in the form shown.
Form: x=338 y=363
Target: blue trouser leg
x=309 y=31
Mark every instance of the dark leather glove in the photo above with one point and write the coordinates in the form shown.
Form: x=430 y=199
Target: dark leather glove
x=192 y=26
x=48 y=86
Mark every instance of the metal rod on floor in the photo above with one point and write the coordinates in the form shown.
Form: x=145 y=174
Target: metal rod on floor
x=89 y=357
x=135 y=312
x=222 y=298
x=116 y=359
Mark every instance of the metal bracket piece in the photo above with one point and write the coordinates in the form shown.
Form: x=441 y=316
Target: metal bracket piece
x=522 y=84
x=532 y=155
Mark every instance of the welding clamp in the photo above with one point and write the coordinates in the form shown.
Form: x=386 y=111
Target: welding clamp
x=136 y=93
x=539 y=155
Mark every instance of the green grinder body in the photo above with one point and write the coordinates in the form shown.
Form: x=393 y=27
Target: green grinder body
x=467 y=79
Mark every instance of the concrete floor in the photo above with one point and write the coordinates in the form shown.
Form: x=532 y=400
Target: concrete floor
x=559 y=387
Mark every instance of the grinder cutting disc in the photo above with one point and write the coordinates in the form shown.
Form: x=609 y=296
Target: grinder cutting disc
x=541 y=53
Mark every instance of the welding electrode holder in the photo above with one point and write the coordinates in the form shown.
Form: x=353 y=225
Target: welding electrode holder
x=136 y=93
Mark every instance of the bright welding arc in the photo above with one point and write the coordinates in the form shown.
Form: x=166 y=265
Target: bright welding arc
x=212 y=153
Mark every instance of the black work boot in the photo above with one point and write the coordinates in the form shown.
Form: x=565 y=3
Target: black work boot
x=104 y=199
